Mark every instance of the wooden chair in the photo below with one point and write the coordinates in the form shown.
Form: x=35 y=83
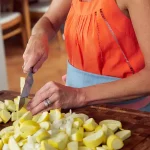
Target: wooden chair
x=12 y=22
x=37 y=8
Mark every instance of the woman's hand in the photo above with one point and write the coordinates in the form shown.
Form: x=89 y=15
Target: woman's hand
x=58 y=95
x=36 y=52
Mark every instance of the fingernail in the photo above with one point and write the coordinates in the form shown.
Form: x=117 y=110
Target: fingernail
x=33 y=113
x=28 y=107
x=24 y=70
x=23 y=65
x=35 y=70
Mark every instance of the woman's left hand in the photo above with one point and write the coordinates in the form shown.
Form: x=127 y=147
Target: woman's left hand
x=59 y=96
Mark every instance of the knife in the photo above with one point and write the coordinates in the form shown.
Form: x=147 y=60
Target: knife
x=26 y=89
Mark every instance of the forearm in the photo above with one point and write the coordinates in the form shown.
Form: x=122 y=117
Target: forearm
x=132 y=87
x=44 y=26
x=51 y=21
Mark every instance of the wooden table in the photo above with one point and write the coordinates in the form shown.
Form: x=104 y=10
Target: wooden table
x=136 y=121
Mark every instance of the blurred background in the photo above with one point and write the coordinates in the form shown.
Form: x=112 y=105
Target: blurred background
x=17 y=18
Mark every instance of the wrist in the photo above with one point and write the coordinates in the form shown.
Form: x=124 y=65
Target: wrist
x=82 y=96
x=91 y=95
x=44 y=27
x=39 y=33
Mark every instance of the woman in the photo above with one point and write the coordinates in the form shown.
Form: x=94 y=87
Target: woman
x=109 y=54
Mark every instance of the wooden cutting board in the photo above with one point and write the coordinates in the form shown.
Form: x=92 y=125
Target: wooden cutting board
x=136 y=121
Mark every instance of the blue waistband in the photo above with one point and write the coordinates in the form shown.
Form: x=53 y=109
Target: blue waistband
x=79 y=79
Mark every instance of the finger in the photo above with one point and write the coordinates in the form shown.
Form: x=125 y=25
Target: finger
x=43 y=108
x=38 y=99
x=46 y=91
x=38 y=108
x=41 y=95
x=54 y=100
x=31 y=59
x=26 y=55
x=39 y=63
x=31 y=62
x=47 y=86
x=64 y=78
x=54 y=106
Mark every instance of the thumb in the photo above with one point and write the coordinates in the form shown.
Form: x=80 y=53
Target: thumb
x=64 y=78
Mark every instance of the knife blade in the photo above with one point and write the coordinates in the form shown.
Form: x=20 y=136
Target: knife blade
x=26 y=89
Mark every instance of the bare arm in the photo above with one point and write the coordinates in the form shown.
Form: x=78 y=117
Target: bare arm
x=139 y=84
x=37 y=48
x=51 y=21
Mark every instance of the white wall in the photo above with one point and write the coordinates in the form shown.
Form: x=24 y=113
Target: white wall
x=3 y=74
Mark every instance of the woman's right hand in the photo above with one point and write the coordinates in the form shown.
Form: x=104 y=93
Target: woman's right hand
x=37 y=48
x=36 y=52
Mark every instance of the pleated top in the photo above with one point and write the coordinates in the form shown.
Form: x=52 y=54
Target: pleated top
x=100 y=39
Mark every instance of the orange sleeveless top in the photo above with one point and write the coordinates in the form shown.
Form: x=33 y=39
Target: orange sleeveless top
x=91 y=31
